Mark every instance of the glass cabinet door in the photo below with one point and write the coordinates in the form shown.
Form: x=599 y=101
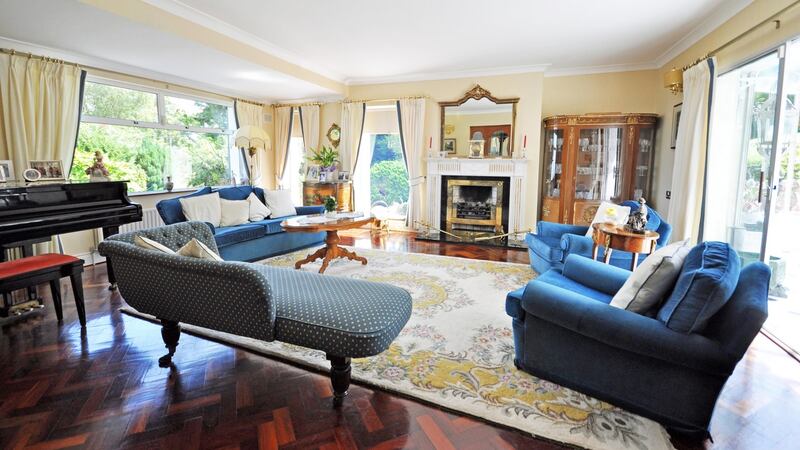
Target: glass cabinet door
x=644 y=158
x=597 y=164
x=551 y=182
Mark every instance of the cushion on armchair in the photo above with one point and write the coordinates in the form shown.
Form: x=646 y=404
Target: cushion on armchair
x=707 y=280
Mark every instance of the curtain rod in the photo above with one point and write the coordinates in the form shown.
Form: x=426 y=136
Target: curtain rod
x=12 y=52
x=375 y=100
x=248 y=101
x=772 y=18
x=280 y=105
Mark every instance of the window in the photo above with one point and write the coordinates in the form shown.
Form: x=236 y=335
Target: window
x=381 y=179
x=149 y=135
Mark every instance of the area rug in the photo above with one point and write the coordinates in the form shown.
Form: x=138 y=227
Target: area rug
x=457 y=351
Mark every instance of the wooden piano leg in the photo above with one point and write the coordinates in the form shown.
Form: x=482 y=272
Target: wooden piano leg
x=112 y=280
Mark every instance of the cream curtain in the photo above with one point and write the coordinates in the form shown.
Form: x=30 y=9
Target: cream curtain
x=688 y=173
x=309 y=121
x=253 y=115
x=39 y=110
x=283 y=134
x=352 y=127
x=411 y=117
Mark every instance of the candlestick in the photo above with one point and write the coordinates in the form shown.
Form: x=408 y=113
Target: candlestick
x=525 y=141
x=430 y=142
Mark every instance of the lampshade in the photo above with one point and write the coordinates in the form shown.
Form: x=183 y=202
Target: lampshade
x=250 y=136
x=673 y=80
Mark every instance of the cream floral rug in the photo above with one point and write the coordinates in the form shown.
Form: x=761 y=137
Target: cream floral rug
x=457 y=351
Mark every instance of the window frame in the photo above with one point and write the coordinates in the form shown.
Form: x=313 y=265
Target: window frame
x=160 y=109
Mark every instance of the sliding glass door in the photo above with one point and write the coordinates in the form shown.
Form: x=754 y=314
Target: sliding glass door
x=752 y=177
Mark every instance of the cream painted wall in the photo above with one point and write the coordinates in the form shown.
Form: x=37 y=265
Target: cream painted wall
x=765 y=38
x=602 y=92
x=528 y=87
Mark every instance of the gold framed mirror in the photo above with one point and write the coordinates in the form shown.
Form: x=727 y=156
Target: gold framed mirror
x=478 y=116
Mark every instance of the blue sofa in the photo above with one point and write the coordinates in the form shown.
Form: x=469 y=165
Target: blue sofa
x=566 y=331
x=250 y=241
x=554 y=242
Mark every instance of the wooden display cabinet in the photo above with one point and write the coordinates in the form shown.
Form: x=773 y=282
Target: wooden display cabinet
x=316 y=193
x=590 y=158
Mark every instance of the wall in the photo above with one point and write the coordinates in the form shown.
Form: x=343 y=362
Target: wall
x=602 y=92
x=528 y=87
x=754 y=44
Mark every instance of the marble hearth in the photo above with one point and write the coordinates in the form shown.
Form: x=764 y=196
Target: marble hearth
x=512 y=170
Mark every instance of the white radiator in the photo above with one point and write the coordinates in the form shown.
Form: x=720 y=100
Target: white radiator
x=150 y=219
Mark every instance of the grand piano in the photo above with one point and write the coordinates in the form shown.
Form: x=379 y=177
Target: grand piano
x=33 y=213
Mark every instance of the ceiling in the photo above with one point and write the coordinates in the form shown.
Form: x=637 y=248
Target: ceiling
x=361 y=41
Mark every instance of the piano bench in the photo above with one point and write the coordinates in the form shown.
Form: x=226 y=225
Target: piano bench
x=49 y=267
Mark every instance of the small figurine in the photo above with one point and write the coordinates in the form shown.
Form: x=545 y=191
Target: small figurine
x=98 y=170
x=637 y=220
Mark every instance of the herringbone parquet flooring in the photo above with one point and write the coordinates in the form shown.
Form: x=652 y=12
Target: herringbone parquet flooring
x=103 y=389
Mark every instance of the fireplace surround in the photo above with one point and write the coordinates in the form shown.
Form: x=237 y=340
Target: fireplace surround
x=475 y=206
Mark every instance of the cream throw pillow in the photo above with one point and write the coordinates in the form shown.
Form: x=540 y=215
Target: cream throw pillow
x=233 y=212
x=258 y=210
x=280 y=203
x=197 y=249
x=609 y=212
x=653 y=279
x=149 y=244
x=203 y=208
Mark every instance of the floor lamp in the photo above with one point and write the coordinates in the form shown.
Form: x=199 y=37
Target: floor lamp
x=252 y=138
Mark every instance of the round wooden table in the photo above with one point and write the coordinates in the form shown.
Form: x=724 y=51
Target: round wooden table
x=616 y=237
x=331 y=250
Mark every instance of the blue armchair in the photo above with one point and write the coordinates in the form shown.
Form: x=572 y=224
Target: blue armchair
x=565 y=331
x=553 y=242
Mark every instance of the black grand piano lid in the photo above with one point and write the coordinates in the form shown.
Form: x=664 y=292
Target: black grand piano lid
x=17 y=196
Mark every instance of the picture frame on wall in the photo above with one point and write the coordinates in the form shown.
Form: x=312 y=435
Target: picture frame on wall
x=50 y=170
x=7 y=170
x=449 y=145
x=676 y=118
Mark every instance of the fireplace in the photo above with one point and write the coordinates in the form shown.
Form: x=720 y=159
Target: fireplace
x=475 y=206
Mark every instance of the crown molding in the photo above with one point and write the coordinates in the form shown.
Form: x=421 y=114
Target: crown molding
x=122 y=68
x=719 y=16
x=590 y=70
x=184 y=11
x=448 y=75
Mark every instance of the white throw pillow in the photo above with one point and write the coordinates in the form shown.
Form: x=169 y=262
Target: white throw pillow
x=149 y=244
x=280 y=203
x=652 y=280
x=258 y=210
x=609 y=212
x=197 y=249
x=233 y=212
x=204 y=208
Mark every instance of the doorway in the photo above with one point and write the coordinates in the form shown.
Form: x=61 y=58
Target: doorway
x=753 y=177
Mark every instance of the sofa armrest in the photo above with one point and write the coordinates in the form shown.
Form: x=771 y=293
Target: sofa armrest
x=594 y=274
x=308 y=210
x=577 y=244
x=212 y=227
x=623 y=329
x=553 y=229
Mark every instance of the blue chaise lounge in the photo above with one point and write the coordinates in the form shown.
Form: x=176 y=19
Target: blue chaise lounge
x=251 y=241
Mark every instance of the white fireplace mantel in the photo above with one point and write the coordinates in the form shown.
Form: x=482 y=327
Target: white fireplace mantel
x=514 y=169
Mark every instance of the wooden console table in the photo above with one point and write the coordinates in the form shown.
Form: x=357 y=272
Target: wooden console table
x=316 y=193
x=616 y=237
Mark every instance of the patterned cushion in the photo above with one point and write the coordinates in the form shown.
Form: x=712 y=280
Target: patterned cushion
x=225 y=236
x=339 y=316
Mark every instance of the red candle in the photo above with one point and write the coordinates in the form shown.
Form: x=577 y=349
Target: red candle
x=430 y=142
x=525 y=141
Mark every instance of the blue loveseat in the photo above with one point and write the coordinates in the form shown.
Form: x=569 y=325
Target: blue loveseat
x=566 y=331
x=553 y=242
x=249 y=241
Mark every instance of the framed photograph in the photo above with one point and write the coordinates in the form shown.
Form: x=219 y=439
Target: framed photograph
x=676 y=119
x=312 y=173
x=344 y=176
x=7 y=170
x=476 y=148
x=449 y=145
x=48 y=169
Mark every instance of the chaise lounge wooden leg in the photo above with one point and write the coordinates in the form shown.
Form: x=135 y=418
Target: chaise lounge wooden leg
x=340 y=378
x=171 y=333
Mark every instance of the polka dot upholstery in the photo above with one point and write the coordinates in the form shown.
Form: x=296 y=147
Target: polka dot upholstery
x=339 y=316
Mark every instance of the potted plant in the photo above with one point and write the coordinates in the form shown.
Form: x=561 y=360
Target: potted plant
x=330 y=206
x=326 y=158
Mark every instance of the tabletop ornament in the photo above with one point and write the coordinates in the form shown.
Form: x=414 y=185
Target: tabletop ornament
x=638 y=219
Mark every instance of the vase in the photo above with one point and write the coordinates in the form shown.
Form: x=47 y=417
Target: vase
x=169 y=185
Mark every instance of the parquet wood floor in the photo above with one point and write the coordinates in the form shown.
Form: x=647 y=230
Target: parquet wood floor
x=61 y=388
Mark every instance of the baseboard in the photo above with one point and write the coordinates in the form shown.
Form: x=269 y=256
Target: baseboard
x=90 y=258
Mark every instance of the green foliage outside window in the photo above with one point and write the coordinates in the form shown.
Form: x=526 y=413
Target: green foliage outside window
x=389 y=182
